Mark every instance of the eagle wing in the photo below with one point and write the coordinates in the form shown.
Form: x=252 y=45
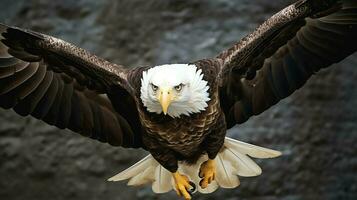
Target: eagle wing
x=282 y=54
x=64 y=86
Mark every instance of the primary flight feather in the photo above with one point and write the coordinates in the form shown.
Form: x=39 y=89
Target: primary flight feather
x=177 y=112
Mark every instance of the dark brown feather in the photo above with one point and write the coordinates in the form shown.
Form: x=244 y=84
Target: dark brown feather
x=319 y=43
x=65 y=86
x=28 y=105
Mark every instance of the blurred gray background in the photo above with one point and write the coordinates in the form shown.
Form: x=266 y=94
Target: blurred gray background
x=316 y=128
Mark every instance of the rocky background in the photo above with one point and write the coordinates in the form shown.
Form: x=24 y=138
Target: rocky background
x=316 y=128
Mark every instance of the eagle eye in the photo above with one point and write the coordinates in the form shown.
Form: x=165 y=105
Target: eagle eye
x=178 y=88
x=154 y=87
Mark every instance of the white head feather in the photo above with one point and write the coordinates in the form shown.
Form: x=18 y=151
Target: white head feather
x=191 y=98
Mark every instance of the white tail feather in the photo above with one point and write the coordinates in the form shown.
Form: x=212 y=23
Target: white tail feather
x=133 y=170
x=225 y=172
x=251 y=150
x=245 y=166
x=231 y=161
x=162 y=181
x=143 y=177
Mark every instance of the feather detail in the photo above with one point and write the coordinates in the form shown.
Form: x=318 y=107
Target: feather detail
x=162 y=183
x=133 y=170
x=225 y=175
x=142 y=178
x=251 y=150
x=242 y=164
x=232 y=161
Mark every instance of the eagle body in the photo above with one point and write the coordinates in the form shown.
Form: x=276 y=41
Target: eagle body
x=180 y=113
x=188 y=137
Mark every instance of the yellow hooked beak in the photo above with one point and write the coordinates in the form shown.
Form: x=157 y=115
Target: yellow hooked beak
x=165 y=97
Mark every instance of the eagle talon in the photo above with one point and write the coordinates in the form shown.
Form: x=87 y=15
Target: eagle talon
x=182 y=186
x=207 y=173
x=193 y=188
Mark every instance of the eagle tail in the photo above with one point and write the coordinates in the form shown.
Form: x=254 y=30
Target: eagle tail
x=232 y=161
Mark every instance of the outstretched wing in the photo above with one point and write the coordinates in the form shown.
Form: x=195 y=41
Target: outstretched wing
x=64 y=86
x=282 y=54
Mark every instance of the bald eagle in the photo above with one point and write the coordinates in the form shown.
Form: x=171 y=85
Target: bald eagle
x=178 y=112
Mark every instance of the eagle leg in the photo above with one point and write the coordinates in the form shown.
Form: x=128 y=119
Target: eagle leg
x=183 y=185
x=207 y=173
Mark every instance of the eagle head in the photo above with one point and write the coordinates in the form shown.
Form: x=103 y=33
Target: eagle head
x=174 y=90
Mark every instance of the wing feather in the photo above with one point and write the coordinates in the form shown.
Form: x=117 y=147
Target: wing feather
x=65 y=86
x=9 y=83
x=65 y=106
x=46 y=102
x=28 y=104
x=76 y=116
x=288 y=62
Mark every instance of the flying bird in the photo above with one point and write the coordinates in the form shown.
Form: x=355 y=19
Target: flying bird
x=178 y=112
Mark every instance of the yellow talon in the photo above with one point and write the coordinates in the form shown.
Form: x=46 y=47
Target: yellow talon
x=182 y=185
x=207 y=173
